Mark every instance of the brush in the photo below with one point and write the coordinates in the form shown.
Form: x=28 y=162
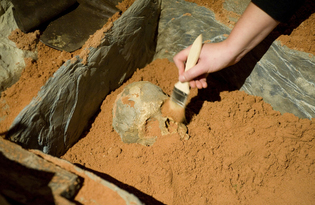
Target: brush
x=175 y=106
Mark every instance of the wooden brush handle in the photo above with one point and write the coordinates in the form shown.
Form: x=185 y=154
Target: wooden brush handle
x=194 y=53
x=192 y=59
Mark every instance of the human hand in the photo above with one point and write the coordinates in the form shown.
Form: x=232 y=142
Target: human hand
x=213 y=57
x=252 y=27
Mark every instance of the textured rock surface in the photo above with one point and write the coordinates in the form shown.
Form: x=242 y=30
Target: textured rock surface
x=56 y=118
x=32 y=177
x=95 y=190
x=283 y=77
x=236 y=6
x=29 y=179
x=286 y=79
x=11 y=58
x=179 y=25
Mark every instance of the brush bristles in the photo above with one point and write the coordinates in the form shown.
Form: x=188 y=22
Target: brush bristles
x=174 y=111
x=179 y=97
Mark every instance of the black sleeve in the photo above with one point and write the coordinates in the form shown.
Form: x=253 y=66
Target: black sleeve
x=280 y=10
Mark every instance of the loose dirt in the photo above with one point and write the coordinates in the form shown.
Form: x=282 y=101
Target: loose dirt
x=240 y=150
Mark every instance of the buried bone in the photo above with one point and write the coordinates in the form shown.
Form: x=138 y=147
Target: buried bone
x=137 y=115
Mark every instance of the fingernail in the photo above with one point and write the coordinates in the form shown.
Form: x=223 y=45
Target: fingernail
x=182 y=78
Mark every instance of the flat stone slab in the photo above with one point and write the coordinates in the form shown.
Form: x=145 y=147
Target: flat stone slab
x=29 y=179
x=95 y=190
x=33 y=177
x=11 y=58
x=286 y=79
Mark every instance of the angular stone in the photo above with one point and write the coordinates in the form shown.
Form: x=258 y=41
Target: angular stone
x=95 y=190
x=56 y=118
x=236 y=6
x=29 y=179
x=33 y=177
x=179 y=25
x=11 y=58
x=286 y=79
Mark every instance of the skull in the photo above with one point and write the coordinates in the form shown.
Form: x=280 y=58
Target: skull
x=137 y=114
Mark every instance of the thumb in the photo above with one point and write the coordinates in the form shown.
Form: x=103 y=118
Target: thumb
x=191 y=74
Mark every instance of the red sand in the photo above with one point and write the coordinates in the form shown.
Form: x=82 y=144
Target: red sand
x=239 y=151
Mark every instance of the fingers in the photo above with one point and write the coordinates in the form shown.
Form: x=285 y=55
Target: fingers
x=195 y=76
x=201 y=83
x=198 y=84
x=180 y=59
x=192 y=84
x=196 y=72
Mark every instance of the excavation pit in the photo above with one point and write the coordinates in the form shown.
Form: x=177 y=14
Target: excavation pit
x=238 y=143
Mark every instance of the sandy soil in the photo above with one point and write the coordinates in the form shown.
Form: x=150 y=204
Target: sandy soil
x=240 y=151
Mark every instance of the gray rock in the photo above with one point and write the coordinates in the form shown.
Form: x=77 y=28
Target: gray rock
x=29 y=179
x=94 y=181
x=32 y=177
x=11 y=58
x=286 y=79
x=236 y=6
x=180 y=24
x=56 y=118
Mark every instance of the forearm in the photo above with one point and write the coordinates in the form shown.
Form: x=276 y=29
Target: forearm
x=252 y=27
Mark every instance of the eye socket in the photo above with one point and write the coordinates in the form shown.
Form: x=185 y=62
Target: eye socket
x=167 y=122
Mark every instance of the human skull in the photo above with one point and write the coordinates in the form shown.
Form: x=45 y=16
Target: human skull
x=137 y=112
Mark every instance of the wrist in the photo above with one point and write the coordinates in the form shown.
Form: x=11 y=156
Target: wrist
x=252 y=27
x=234 y=51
